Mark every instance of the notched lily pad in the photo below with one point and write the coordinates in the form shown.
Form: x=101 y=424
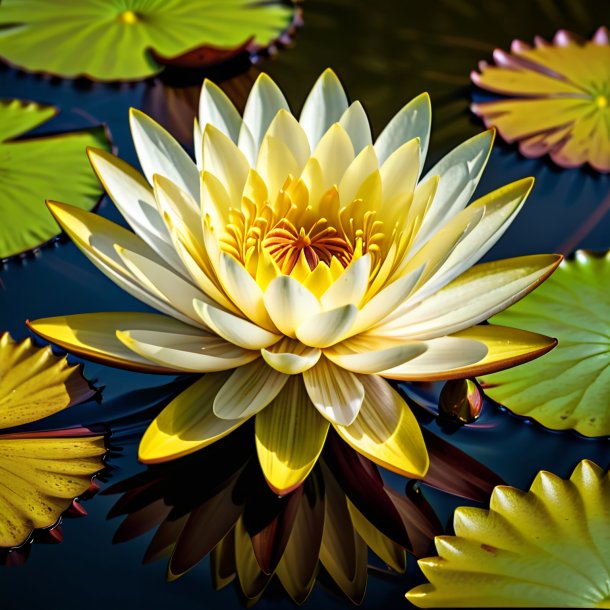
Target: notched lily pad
x=570 y=386
x=37 y=168
x=131 y=39
x=40 y=472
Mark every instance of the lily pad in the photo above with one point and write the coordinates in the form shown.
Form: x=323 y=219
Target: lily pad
x=570 y=387
x=547 y=547
x=131 y=39
x=35 y=169
x=41 y=472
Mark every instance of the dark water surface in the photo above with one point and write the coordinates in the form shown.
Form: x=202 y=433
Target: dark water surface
x=386 y=53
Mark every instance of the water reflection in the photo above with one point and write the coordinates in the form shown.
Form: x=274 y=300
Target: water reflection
x=217 y=502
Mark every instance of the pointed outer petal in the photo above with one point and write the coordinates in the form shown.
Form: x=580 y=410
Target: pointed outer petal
x=159 y=153
x=356 y=123
x=270 y=525
x=289 y=303
x=234 y=329
x=399 y=173
x=324 y=106
x=459 y=172
x=298 y=566
x=291 y=357
x=171 y=288
x=386 y=430
x=223 y=159
x=474 y=296
x=222 y=562
x=389 y=552
x=356 y=175
x=244 y=291
x=343 y=552
x=92 y=336
x=443 y=356
x=408 y=520
x=264 y=102
x=249 y=390
x=499 y=210
x=190 y=352
x=368 y=355
x=335 y=392
x=455 y=472
x=288 y=130
x=197 y=538
x=187 y=423
x=334 y=153
x=141 y=521
x=275 y=163
x=97 y=239
x=218 y=110
x=290 y=435
x=350 y=287
x=328 y=327
x=412 y=121
x=386 y=301
x=135 y=200
x=252 y=580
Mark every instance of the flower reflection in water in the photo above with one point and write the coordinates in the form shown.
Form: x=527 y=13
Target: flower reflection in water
x=217 y=502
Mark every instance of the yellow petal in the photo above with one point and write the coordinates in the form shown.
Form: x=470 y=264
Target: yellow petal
x=386 y=431
x=93 y=336
x=287 y=129
x=356 y=175
x=334 y=153
x=188 y=423
x=290 y=435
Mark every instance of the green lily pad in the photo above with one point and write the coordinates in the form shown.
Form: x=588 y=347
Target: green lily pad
x=130 y=39
x=35 y=169
x=570 y=386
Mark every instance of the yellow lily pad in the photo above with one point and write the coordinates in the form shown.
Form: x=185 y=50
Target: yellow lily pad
x=29 y=169
x=41 y=473
x=570 y=386
x=131 y=39
x=547 y=547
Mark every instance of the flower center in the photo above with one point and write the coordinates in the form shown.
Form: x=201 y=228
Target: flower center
x=321 y=243
x=601 y=101
x=129 y=17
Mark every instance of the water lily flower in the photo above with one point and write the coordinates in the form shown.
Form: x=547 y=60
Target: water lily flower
x=299 y=266
x=544 y=548
x=557 y=98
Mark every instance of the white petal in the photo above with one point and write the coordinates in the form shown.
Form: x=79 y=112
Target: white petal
x=350 y=286
x=135 y=200
x=459 y=172
x=275 y=163
x=234 y=329
x=291 y=357
x=165 y=284
x=218 y=110
x=159 y=153
x=334 y=153
x=191 y=353
x=287 y=129
x=264 y=102
x=335 y=392
x=249 y=389
x=443 y=354
x=324 y=106
x=369 y=355
x=243 y=291
x=386 y=301
x=356 y=123
x=225 y=161
x=399 y=173
x=328 y=327
x=412 y=121
x=288 y=303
